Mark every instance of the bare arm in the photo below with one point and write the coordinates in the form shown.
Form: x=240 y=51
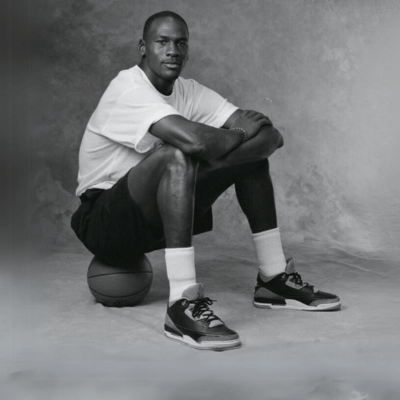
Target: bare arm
x=262 y=145
x=203 y=141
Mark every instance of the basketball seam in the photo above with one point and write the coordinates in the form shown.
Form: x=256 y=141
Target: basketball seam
x=121 y=297
x=120 y=273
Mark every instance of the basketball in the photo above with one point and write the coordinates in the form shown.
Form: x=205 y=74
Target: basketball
x=121 y=285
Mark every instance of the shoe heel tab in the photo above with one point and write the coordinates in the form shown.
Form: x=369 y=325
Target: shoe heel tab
x=290 y=266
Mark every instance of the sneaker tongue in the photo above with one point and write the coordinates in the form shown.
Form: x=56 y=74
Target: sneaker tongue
x=290 y=266
x=194 y=292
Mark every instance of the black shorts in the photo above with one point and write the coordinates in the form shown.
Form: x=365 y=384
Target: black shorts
x=110 y=225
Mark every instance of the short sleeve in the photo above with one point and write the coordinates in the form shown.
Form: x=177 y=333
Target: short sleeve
x=210 y=108
x=133 y=114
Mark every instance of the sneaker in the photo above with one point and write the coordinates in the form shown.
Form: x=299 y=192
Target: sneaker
x=190 y=321
x=287 y=290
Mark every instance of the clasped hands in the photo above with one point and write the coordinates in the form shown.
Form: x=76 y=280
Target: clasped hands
x=251 y=121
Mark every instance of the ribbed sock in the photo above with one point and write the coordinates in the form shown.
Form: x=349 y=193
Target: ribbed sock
x=269 y=252
x=181 y=270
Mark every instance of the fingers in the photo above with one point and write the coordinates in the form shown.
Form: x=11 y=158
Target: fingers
x=257 y=116
x=251 y=121
x=261 y=123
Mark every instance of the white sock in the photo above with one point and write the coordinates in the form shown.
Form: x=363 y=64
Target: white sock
x=181 y=270
x=269 y=252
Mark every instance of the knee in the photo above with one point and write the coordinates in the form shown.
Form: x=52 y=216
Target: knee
x=179 y=162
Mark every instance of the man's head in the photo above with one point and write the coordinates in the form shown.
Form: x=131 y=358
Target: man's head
x=162 y=14
x=164 y=48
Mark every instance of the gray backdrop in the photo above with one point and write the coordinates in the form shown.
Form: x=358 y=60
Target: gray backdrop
x=325 y=71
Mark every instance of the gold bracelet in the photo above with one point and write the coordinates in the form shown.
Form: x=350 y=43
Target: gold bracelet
x=242 y=130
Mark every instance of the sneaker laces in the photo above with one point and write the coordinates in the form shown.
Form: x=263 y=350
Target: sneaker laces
x=201 y=309
x=295 y=277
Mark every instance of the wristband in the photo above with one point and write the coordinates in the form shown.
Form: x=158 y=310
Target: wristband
x=243 y=131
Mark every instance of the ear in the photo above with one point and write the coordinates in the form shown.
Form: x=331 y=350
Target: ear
x=142 y=47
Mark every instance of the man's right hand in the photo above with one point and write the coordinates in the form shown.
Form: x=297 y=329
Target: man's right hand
x=251 y=122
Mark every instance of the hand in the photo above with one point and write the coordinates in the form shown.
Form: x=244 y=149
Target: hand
x=251 y=122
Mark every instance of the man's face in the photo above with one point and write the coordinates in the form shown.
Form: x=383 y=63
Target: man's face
x=166 y=51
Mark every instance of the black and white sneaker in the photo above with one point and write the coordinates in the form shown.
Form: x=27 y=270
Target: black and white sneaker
x=190 y=321
x=287 y=290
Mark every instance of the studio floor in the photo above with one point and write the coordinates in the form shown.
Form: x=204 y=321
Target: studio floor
x=57 y=343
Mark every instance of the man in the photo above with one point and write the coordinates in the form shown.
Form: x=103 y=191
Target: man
x=156 y=154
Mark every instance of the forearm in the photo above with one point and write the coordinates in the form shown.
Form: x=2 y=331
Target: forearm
x=263 y=145
x=197 y=140
x=215 y=143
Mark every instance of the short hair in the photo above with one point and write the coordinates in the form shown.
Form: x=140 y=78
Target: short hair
x=161 y=14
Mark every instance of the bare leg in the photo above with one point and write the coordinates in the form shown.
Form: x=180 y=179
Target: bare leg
x=255 y=193
x=162 y=186
x=253 y=187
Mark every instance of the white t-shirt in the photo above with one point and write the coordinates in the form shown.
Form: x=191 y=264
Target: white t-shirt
x=117 y=138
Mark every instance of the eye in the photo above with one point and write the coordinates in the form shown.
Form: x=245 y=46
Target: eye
x=162 y=41
x=182 y=44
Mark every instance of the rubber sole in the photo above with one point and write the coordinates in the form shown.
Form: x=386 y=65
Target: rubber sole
x=208 y=345
x=297 y=305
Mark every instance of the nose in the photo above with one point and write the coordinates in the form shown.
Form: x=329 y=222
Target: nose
x=173 y=50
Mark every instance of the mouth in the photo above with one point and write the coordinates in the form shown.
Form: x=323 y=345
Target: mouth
x=172 y=64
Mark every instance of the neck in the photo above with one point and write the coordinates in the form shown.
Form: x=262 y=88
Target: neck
x=163 y=86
